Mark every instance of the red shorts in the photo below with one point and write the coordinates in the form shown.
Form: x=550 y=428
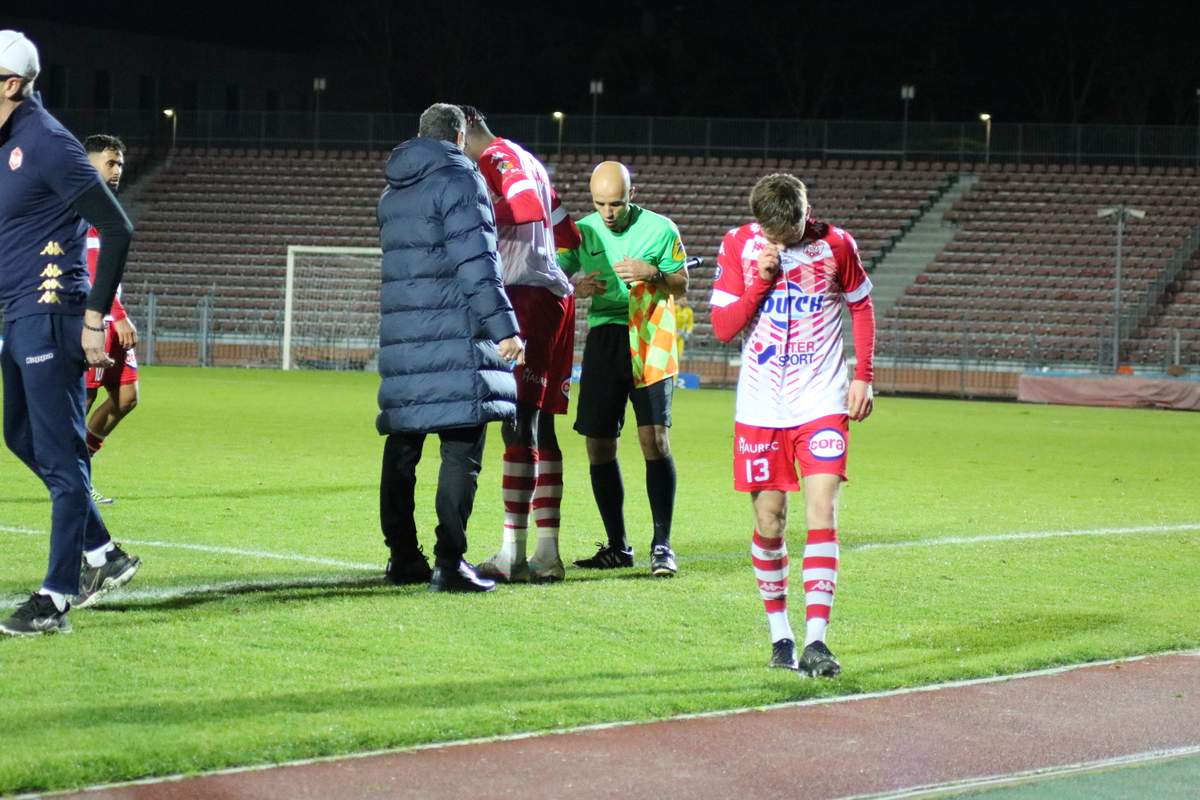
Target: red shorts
x=122 y=373
x=765 y=458
x=548 y=327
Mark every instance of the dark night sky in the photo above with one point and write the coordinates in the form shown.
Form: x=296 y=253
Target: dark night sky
x=1049 y=61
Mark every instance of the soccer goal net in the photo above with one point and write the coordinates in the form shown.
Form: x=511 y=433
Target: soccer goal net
x=331 y=308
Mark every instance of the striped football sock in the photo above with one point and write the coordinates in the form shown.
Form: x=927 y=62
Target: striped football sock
x=770 y=560
x=547 y=503
x=520 y=466
x=820 y=581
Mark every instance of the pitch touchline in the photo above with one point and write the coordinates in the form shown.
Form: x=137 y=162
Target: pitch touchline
x=604 y=726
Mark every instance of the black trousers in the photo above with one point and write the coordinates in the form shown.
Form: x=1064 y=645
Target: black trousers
x=42 y=364
x=462 y=459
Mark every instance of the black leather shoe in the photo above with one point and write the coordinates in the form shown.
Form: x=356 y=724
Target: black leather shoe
x=404 y=569
x=462 y=579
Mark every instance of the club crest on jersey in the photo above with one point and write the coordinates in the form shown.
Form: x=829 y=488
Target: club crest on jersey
x=785 y=307
x=502 y=162
x=566 y=387
x=813 y=250
x=15 y=159
x=827 y=444
x=677 y=253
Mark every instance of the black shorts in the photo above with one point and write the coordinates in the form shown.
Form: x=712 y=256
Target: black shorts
x=606 y=384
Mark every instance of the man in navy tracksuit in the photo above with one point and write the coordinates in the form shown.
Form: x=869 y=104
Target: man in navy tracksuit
x=54 y=330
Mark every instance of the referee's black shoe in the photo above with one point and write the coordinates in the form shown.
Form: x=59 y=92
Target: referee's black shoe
x=818 y=662
x=608 y=557
x=460 y=579
x=94 y=582
x=35 y=616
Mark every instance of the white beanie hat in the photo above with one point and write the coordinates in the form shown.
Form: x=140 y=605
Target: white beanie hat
x=18 y=56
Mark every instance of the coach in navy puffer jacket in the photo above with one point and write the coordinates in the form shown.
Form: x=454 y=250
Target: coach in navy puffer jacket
x=442 y=302
x=447 y=337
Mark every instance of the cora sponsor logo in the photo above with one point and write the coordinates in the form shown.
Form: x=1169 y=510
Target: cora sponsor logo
x=827 y=444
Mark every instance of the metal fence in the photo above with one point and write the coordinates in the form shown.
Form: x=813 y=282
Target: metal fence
x=956 y=142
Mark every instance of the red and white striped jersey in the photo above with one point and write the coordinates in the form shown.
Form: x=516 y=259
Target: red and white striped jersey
x=793 y=365
x=93 y=258
x=528 y=217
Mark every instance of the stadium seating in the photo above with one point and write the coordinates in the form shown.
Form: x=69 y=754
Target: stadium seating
x=217 y=222
x=1029 y=274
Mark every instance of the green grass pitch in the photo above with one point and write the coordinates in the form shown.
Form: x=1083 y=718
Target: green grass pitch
x=214 y=659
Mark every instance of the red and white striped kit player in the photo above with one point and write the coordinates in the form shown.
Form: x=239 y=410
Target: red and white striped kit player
x=792 y=405
x=531 y=225
x=124 y=371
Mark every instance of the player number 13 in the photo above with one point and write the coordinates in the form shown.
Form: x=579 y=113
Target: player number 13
x=758 y=470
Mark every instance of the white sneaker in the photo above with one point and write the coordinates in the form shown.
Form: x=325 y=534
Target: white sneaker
x=497 y=569
x=100 y=499
x=546 y=572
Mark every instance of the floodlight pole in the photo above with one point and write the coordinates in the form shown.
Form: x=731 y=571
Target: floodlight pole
x=986 y=119
x=907 y=93
x=596 y=89
x=559 y=117
x=1121 y=211
x=1198 y=127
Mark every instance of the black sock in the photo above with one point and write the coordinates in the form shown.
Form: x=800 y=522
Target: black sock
x=610 y=499
x=660 y=488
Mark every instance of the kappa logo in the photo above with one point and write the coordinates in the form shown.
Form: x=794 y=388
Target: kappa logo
x=827 y=444
x=44 y=357
x=772 y=588
x=822 y=586
x=52 y=248
x=15 y=159
x=814 y=250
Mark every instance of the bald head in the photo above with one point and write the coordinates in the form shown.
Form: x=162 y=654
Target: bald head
x=612 y=189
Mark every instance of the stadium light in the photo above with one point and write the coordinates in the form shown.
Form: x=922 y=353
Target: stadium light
x=559 y=117
x=170 y=114
x=986 y=119
x=318 y=88
x=1121 y=212
x=907 y=92
x=596 y=89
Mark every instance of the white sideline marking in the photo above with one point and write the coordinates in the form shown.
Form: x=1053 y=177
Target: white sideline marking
x=604 y=726
x=1031 y=775
x=227 y=551
x=1019 y=535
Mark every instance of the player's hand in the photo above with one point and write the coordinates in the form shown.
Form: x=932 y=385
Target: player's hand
x=93 y=341
x=590 y=285
x=860 y=400
x=768 y=263
x=126 y=332
x=632 y=270
x=512 y=350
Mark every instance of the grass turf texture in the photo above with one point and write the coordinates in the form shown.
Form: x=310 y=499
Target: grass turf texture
x=288 y=463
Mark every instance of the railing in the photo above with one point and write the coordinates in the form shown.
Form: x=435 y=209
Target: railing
x=956 y=142
x=1141 y=313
